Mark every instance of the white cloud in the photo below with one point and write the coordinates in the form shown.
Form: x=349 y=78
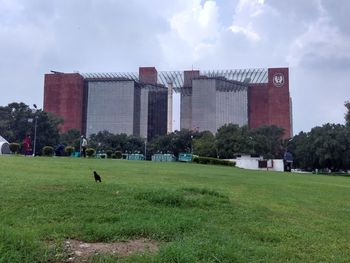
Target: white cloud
x=194 y=32
x=197 y=24
x=247 y=31
x=251 y=7
x=246 y=12
x=321 y=40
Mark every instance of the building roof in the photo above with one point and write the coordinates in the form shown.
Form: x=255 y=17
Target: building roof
x=245 y=76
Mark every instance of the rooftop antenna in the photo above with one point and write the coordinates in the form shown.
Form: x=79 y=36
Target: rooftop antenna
x=56 y=72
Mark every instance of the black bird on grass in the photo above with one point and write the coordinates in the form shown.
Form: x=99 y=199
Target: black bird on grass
x=97 y=177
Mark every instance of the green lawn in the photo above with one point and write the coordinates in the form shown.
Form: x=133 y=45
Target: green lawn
x=198 y=213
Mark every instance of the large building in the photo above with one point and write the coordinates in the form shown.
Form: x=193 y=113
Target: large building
x=252 y=97
x=208 y=103
x=116 y=103
x=141 y=104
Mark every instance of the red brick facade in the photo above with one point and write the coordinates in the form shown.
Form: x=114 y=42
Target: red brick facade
x=269 y=104
x=63 y=96
x=189 y=75
x=148 y=75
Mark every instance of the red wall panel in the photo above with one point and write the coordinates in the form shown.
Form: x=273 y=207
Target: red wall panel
x=189 y=75
x=148 y=75
x=269 y=103
x=63 y=96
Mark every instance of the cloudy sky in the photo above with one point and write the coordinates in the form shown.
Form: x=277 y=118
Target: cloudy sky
x=311 y=37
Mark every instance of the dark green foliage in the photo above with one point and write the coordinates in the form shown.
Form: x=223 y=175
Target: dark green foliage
x=68 y=150
x=90 y=152
x=47 y=151
x=204 y=144
x=118 y=155
x=71 y=137
x=347 y=114
x=14 y=125
x=267 y=141
x=14 y=147
x=210 y=160
x=323 y=147
x=231 y=140
x=105 y=140
x=175 y=143
x=109 y=153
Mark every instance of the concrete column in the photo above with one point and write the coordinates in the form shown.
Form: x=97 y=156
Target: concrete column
x=170 y=107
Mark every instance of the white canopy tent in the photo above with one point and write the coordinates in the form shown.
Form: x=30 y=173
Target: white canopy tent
x=4 y=146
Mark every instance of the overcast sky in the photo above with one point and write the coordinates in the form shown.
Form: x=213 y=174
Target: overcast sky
x=311 y=37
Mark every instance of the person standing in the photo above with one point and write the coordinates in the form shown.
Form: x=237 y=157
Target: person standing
x=83 y=146
x=27 y=145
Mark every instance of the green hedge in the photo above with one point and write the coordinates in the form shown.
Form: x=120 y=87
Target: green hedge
x=47 y=151
x=14 y=147
x=69 y=150
x=109 y=153
x=90 y=152
x=210 y=160
x=118 y=154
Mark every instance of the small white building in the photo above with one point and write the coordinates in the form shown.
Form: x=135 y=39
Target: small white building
x=258 y=163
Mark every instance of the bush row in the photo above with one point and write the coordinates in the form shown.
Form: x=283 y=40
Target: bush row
x=210 y=160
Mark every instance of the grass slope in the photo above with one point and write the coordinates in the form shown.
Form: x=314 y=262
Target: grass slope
x=199 y=213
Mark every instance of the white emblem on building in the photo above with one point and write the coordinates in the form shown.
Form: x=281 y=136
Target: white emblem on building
x=278 y=79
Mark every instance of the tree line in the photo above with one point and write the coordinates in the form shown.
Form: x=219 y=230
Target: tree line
x=326 y=146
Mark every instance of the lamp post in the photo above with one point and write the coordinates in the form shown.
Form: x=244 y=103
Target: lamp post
x=145 y=149
x=35 y=126
x=191 y=144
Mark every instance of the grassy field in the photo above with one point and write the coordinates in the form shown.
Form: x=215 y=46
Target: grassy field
x=197 y=213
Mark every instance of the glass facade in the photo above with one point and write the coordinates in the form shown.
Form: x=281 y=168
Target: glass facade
x=125 y=106
x=213 y=102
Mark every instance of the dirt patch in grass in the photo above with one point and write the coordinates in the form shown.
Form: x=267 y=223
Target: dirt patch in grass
x=80 y=251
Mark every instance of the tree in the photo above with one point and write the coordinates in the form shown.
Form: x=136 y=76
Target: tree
x=106 y=141
x=301 y=148
x=47 y=130
x=14 y=123
x=331 y=146
x=347 y=114
x=323 y=147
x=72 y=138
x=204 y=144
x=175 y=142
x=232 y=140
x=17 y=120
x=268 y=141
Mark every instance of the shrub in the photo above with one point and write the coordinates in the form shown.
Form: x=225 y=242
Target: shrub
x=47 y=151
x=90 y=152
x=14 y=147
x=118 y=154
x=68 y=150
x=109 y=153
x=210 y=160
